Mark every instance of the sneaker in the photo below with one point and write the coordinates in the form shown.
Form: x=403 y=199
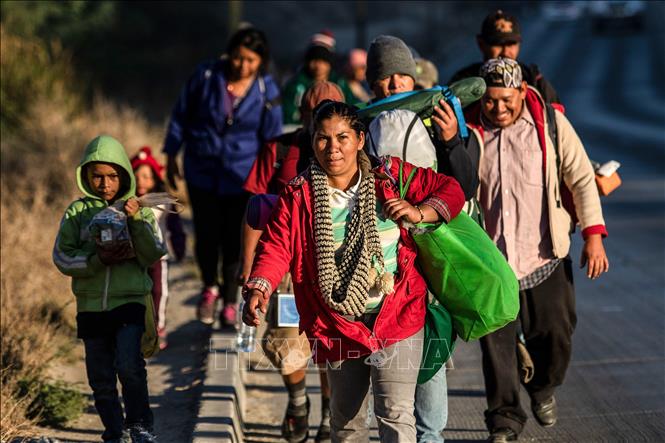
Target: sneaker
x=124 y=438
x=141 y=435
x=163 y=343
x=295 y=428
x=502 y=435
x=206 y=309
x=229 y=315
x=323 y=434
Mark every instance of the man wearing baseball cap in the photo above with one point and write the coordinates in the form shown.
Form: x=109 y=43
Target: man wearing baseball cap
x=522 y=170
x=500 y=36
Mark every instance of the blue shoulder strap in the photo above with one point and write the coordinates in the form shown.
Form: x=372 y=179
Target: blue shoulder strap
x=457 y=107
x=447 y=93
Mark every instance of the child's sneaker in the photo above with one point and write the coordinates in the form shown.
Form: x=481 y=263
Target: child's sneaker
x=124 y=438
x=206 y=308
x=141 y=435
x=229 y=315
x=163 y=343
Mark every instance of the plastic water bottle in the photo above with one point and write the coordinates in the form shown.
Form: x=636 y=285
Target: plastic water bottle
x=246 y=336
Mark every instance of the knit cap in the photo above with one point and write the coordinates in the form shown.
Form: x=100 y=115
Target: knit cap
x=357 y=58
x=320 y=91
x=324 y=38
x=426 y=73
x=389 y=55
x=502 y=73
x=321 y=47
x=317 y=52
x=144 y=157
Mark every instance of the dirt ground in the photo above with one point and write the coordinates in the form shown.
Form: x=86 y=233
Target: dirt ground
x=175 y=375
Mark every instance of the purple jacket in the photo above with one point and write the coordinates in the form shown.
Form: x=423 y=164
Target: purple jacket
x=221 y=142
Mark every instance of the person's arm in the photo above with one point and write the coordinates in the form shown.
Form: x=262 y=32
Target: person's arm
x=272 y=260
x=271 y=126
x=70 y=254
x=452 y=155
x=177 y=235
x=146 y=237
x=263 y=169
x=579 y=176
x=249 y=240
x=428 y=188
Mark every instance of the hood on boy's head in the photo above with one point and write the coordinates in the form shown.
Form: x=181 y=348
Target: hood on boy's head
x=106 y=149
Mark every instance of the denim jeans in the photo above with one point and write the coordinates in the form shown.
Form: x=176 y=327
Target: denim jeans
x=108 y=359
x=432 y=408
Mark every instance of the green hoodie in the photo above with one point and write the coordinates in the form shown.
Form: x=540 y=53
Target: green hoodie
x=99 y=287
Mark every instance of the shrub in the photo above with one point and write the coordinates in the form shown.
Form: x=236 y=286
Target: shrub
x=53 y=404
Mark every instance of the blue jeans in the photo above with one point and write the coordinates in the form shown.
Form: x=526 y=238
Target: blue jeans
x=432 y=408
x=108 y=359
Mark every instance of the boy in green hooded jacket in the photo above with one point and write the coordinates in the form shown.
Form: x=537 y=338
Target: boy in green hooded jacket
x=110 y=284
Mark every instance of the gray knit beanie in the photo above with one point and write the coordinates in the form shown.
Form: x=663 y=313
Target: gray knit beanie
x=389 y=55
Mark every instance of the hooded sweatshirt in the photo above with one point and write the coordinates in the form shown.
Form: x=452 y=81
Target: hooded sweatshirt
x=99 y=287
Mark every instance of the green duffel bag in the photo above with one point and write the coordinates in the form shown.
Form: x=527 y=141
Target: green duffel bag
x=467 y=273
x=423 y=101
x=439 y=341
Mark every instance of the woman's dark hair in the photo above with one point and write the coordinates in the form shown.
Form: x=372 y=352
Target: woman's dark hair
x=327 y=109
x=252 y=39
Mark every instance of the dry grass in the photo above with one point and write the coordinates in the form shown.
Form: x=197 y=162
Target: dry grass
x=38 y=163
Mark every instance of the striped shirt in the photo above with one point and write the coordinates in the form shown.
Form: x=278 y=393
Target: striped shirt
x=341 y=205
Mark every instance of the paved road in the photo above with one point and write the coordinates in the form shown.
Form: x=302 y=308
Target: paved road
x=615 y=389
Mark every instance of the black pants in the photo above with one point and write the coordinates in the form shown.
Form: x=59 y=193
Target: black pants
x=547 y=315
x=113 y=358
x=217 y=226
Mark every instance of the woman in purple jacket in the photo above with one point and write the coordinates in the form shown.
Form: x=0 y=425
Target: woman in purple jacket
x=225 y=111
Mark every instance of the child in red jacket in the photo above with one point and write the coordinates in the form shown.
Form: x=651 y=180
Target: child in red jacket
x=148 y=173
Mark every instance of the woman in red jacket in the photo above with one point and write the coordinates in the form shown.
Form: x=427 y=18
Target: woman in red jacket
x=338 y=229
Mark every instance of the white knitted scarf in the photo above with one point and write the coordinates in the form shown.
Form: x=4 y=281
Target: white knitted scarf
x=345 y=282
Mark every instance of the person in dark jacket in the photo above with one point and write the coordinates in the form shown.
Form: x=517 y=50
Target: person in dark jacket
x=500 y=36
x=225 y=111
x=391 y=69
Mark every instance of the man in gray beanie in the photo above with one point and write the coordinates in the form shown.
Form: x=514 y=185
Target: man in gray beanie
x=391 y=70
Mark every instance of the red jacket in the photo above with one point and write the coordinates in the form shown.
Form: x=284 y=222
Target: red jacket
x=277 y=163
x=288 y=244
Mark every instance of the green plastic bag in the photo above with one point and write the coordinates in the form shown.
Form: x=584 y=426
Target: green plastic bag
x=468 y=275
x=466 y=272
x=439 y=342
x=149 y=339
